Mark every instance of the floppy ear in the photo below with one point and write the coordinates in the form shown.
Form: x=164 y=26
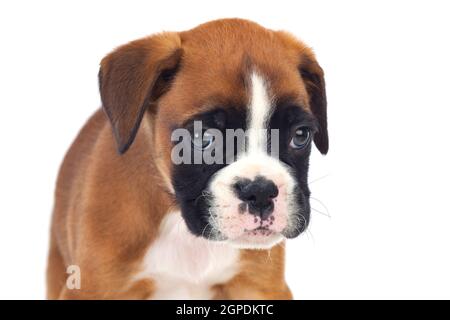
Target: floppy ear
x=312 y=75
x=133 y=77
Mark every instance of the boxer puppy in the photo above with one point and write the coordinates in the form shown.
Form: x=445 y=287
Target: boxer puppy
x=132 y=221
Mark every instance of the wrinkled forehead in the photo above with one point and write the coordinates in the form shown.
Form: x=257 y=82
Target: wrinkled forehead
x=229 y=75
x=242 y=85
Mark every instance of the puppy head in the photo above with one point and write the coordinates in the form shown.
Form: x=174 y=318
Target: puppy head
x=228 y=77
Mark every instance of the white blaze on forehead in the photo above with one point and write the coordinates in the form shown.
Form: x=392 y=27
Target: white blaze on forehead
x=260 y=110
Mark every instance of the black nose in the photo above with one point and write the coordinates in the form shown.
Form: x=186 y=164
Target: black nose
x=258 y=194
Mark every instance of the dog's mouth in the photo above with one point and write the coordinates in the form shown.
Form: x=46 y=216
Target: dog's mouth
x=260 y=231
x=235 y=222
x=249 y=232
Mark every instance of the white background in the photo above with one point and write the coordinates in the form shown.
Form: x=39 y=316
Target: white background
x=385 y=182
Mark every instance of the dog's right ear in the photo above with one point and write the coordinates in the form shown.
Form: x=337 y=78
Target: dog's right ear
x=133 y=77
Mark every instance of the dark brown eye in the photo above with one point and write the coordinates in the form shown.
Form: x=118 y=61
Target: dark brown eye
x=202 y=142
x=300 y=138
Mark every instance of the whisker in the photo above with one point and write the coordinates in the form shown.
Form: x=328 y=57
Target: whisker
x=300 y=220
x=310 y=236
x=320 y=178
x=320 y=212
x=327 y=212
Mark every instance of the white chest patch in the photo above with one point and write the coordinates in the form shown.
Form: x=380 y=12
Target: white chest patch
x=184 y=266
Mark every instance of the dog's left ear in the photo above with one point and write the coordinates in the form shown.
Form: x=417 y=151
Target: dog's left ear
x=312 y=75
